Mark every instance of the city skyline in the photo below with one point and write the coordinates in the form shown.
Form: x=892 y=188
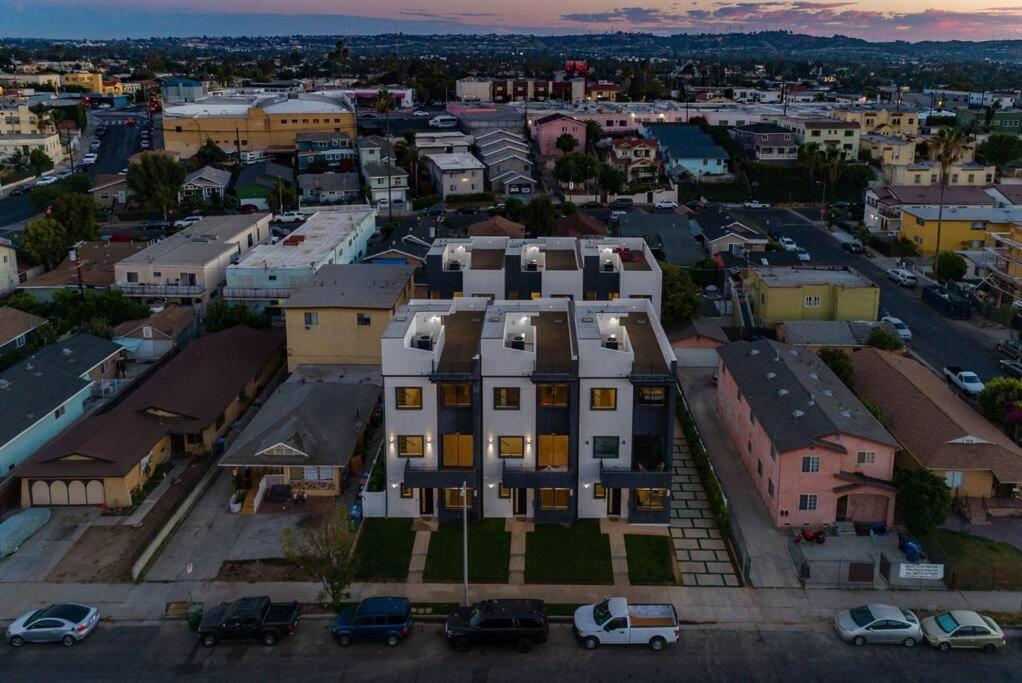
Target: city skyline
x=911 y=20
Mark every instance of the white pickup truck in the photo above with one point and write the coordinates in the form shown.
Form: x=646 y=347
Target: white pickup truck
x=963 y=379
x=615 y=622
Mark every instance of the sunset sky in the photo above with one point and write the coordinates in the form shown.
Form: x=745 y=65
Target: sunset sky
x=870 y=19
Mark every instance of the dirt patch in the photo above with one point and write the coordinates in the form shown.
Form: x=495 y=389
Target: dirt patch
x=105 y=554
x=272 y=569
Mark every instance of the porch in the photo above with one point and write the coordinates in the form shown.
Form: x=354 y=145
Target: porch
x=284 y=486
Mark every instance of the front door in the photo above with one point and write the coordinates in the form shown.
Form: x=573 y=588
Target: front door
x=842 y=508
x=177 y=444
x=613 y=502
x=426 y=502
x=520 y=502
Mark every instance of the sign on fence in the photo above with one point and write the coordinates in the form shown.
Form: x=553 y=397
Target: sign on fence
x=920 y=571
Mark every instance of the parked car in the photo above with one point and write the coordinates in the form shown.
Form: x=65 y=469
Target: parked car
x=902 y=277
x=592 y=205
x=900 y=327
x=386 y=619
x=63 y=622
x=966 y=380
x=616 y=215
x=421 y=113
x=1010 y=347
x=157 y=226
x=963 y=629
x=878 y=624
x=787 y=244
x=47 y=180
x=622 y=203
x=802 y=254
x=248 y=208
x=840 y=204
x=289 y=217
x=443 y=121
x=853 y=247
x=616 y=622
x=666 y=204
x=249 y=618
x=89 y=159
x=187 y=221
x=435 y=210
x=466 y=210
x=1012 y=368
x=754 y=204
x=520 y=622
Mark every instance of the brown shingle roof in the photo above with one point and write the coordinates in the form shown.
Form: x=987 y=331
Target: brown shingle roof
x=580 y=224
x=939 y=429
x=14 y=323
x=98 y=259
x=170 y=321
x=497 y=226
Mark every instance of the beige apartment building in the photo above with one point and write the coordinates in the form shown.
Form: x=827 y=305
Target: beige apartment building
x=12 y=144
x=190 y=267
x=842 y=136
x=887 y=119
x=339 y=317
x=17 y=119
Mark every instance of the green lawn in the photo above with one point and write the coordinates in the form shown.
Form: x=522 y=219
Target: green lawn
x=385 y=549
x=489 y=552
x=649 y=559
x=981 y=564
x=568 y=554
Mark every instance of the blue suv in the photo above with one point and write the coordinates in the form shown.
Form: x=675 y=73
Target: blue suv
x=386 y=619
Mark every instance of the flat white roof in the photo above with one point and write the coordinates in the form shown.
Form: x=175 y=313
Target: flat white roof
x=308 y=245
x=456 y=161
x=304 y=106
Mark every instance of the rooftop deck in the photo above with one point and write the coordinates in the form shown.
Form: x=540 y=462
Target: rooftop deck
x=487 y=259
x=649 y=359
x=561 y=259
x=553 y=342
x=461 y=345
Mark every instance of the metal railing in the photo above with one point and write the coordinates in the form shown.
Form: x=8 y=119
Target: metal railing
x=142 y=289
x=257 y=293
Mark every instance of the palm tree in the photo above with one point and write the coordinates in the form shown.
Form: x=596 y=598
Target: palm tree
x=339 y=57
x=385 y=105
x=946 y=148
x=810 y=157
x=833 y=168
x=645 y=70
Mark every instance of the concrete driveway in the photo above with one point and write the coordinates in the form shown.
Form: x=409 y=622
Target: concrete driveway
x=771 y=565
x=41 y=553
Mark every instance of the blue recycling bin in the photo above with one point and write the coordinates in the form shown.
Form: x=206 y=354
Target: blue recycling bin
x=355 y=513
x=913 y=549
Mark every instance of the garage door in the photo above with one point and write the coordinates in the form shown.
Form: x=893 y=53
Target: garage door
x=58 y=493
x=76 y=493
x=94 y=493
x=40 y=493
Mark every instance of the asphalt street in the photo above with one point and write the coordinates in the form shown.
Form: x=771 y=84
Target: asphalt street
x=938 y=340
x=168 y=651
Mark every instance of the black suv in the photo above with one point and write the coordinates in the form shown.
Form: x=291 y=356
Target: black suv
x=518 y=622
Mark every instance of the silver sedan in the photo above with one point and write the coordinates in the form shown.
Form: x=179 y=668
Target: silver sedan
x=878 y=624
x=60 y=623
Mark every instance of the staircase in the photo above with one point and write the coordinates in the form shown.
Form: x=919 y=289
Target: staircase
x=248 y=507
x=845 y=528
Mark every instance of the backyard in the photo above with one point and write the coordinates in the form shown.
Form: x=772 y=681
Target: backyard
x=489 y=552
x=649 y=560
x=385 y=549
x=579 y=553
x=980 y=563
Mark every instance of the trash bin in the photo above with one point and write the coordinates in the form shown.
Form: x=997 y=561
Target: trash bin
x=355 y=513
x=194 y=617
x=913 y=549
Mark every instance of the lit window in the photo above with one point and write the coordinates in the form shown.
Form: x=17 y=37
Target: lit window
x=409 y=446
x=457 y=395
x=407 y=492
x=599 y=491
x=506 y=398
x=453 y=498
x=650 y=499
x=604 y=398
x=553 y=395
x=409 y=398
x=511 y=447
x=457 y=450
x=503 y=492
x=553 y=451
x=554 y=499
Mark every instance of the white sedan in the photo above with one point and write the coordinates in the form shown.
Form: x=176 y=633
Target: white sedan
x=756 y=205
x=48 y=180
x=787 y=244
x=666 y=204
x=422 y=113
x=89 y=159
x=900 y=327
x=289 y=217
x=802 y=254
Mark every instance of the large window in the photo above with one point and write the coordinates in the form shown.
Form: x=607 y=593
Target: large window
x=506 y=398
x=511 y=447
x=553 y=451
x=807 y=501
x=810 y=463
x=457 y=450
x=311 y=319
x=650 y=396
x=606 y=446
x=409 y=446
x=453 y=498
x=409 y=398
x=865 y=457
x=553 y=395
x=554 y=499
x=603 y=398
x=650 y=499
x=457 y=395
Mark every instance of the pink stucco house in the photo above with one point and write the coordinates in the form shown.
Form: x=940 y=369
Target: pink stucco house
x=546 y=129
x=816 y=454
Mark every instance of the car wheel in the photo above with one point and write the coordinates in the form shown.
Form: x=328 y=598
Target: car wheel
x=269 y=639
x=208 y=640
x=989 y=648
x=944 y=647
x=344 y=640
x=523 y=645
x=591 y=643
x=17 y=641
x=909 y=642
x=657 y=644
x=68 y=640
x=858 y=641
x=393 y=640
x=461 y=645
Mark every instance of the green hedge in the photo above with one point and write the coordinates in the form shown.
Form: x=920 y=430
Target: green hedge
x=714 y=491
x=420 y=203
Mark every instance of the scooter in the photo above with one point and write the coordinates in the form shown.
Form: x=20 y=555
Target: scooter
x=810 y=536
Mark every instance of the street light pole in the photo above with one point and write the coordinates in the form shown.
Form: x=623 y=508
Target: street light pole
x=464 y=539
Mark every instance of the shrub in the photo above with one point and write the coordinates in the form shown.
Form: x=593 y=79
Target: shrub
x=714 y=491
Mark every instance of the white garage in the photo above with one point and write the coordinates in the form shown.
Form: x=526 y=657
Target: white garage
x=73 y=492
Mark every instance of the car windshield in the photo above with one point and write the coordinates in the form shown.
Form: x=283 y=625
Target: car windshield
x=970 y=377
x=601 y=612
x=946 y=622
x=861 y=616
x=899 y=325
x=477 y=616
x=908 y=616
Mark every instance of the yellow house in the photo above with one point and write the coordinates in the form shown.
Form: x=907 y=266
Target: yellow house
x=92 y=81
x=960 y=227
x=811 y=293
x=888 y=150
x=340 y=315
x=18 y=119
x=264 y=123
x=889 y=119
x=829 y=134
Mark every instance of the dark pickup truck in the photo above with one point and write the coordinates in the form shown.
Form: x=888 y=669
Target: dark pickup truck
x=249 y=618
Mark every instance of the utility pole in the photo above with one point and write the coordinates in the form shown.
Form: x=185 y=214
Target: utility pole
x=237 y=140
x=76 y=255
x=464 y=539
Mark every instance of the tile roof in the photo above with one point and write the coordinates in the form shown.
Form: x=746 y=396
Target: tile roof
x=580 y=224
x=939 y=429
x=171 y=321
x=798 y=400
x=97 y=265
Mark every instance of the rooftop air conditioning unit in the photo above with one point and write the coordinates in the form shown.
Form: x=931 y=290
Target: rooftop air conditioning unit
x=532 y=266
x=424 y=341
x=454 y=265
x=608 y=266
x=518 y=342
x=611 y=343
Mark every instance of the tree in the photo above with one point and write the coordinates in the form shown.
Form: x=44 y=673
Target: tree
x=576 y=167
x=1001 y=402
x=594 y=133
x=566 y=143
x=611 y=179
x=882 y=338
x=840 y=364
x=210 y=153
x=221 y=315
x=810 y=158
x=679 y=297
x=45 y=241
x=947 y=147
x=325 y=550
x=707 y=272
x=951 y=266
x=514 y=209
x=540 y=216
x=833 y=167
x=39 y=161
x=283 y=197
x=338 y=57
x=568 y=208
x=156 y=181
x=98 y=327
x=1000 y=148
x=77 y=213
x=924 y=500
x=76 y=182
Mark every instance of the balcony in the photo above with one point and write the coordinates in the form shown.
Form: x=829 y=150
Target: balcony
x=636 y=478
x=257 y=294
x=657 y=373
x=516 y=477
x=418 y=475
x=147 y=289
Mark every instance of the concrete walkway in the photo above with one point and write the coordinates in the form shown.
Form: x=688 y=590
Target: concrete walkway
x=136 y=517
x=516 y=563
x=420 y=549
x=771 y=567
